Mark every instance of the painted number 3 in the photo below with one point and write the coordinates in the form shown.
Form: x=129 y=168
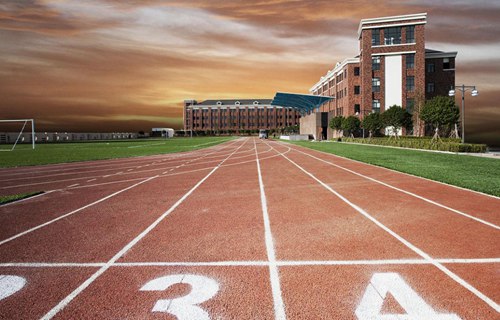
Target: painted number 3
x=185 y=307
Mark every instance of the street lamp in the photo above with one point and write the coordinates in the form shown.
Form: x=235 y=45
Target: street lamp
x=474 y=93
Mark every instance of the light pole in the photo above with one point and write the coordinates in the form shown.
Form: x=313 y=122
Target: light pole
x=474 y=93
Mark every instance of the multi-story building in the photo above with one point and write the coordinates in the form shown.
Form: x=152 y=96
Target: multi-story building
x=393 y=68
x=237 y=115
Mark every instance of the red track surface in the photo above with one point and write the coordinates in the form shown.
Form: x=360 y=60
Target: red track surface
x=248 y=229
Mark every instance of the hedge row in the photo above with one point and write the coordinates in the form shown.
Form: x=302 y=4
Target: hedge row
x=452 y=145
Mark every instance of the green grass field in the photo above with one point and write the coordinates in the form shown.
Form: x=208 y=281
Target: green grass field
x=476 y=173
x=49 y=153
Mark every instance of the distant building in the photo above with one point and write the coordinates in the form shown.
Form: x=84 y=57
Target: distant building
x=393 y=68
x=237 y=115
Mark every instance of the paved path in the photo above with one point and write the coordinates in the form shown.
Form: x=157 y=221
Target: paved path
x=248 y=229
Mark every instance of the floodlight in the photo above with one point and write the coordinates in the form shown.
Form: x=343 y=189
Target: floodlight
x=451 y=93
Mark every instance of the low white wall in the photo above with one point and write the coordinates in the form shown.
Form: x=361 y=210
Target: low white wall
x=296 y=137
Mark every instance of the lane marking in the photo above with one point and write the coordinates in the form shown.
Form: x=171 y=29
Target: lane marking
x=74 y=211
x=380 y=285
x=403 y=191
x=73 y=185
x=418 y=251
x=185 y=307
x=10 y=285
x=283 y=263
x=91 y=180
x=63 y=303
x=279 y=305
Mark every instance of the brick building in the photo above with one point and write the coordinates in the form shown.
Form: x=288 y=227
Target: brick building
x=237 y=115
x=393 y=68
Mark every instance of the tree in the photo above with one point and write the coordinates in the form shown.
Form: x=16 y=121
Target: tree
x=336 y=123
x=440 y=111
x=396 y=118
x=372 y=123
x=350 y=125
x=418 y=105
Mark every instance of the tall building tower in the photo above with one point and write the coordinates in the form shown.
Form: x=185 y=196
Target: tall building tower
x=392 y=56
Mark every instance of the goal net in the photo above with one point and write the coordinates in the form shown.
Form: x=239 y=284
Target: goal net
x=17 y=132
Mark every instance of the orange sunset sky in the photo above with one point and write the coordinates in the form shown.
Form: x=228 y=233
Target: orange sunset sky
x=104 y=65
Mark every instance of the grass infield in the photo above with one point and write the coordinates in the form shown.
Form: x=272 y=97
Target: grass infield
x=49 y=153
x=475 y=173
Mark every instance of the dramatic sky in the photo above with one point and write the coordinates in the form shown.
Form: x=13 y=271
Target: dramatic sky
x=127 y=65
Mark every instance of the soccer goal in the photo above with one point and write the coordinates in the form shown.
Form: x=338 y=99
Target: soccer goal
x=15 y=131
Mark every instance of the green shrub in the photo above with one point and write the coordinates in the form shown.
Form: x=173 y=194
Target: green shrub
x=446 y=144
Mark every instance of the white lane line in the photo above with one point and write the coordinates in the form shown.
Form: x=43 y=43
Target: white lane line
x=91 y=180
x=107 y=176
x=418 y=251
x=124 y=250
x=26 y=199
x=129 y=170
x=73 y=185
x=194 y=264
x=51 y=265
x=74 y=211
x=247 y=263
x=279 y=305
x=404 y=191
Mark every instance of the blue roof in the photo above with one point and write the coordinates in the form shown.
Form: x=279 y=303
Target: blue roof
x=305 y=103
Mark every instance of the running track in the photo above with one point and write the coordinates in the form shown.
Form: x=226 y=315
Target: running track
x=248 y=229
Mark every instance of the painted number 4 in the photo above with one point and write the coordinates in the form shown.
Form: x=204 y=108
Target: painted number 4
x=185 y=307
x=416 y=308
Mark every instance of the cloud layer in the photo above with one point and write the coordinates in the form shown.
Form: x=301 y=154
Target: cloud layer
x=128 y=65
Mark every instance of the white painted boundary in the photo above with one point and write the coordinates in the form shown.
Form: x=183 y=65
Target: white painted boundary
x=403 y=191
x=257 y=263
x=279 y=305
x=418 y=251
x=62 y=304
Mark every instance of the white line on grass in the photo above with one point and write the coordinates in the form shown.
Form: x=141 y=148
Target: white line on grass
x=418 y=251
x=404 y=191
x=62 y=304
x=279 y=305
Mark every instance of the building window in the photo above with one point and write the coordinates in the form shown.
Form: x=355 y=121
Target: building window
x=410 y=83
x=430 y=68
x=410 y=105
x=376 y=84
x=376 y=106
x=410 y=34
x=357 y=90
x=392 y=35
x=376 y=63
x=356 y=71
x=410 y=61
x=446 y=63
x=375 y=37
x=430 y=87
x=357 y=109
